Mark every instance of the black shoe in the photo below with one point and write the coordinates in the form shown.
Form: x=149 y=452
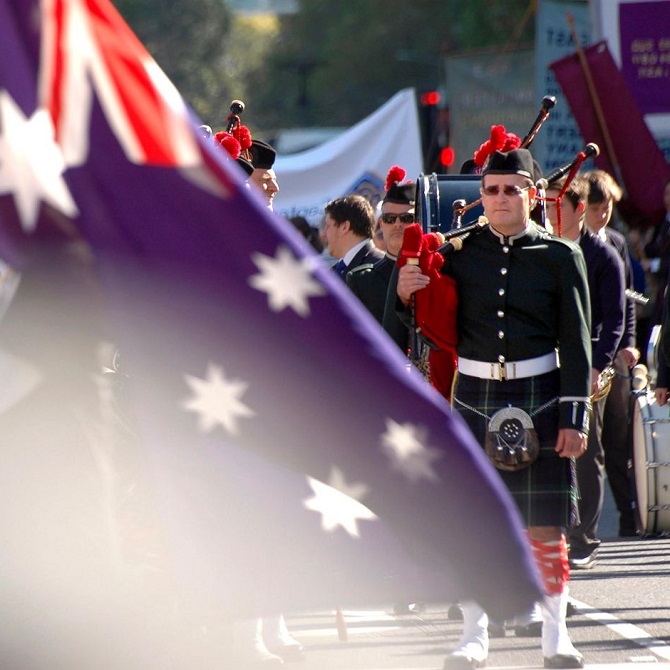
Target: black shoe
x=564 y=661
x=627 y=532
x=583 y=560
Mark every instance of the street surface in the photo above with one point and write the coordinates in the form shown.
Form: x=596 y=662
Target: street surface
x=622 y=620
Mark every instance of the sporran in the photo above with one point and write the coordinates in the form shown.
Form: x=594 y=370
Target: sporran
x=511 y=440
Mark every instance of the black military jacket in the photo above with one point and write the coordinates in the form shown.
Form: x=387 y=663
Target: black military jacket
x=525 y=296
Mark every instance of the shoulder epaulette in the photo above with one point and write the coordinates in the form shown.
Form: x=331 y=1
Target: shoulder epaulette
x=360 y=268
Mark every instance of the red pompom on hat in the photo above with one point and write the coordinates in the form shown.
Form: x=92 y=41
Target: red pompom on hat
x=243 y=136
x=395 y=175
x=401 y=194
x=229 y=143
x=500 y=140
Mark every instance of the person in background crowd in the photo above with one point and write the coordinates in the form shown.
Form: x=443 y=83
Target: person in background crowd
x=657 y=252
x=603 y=194
x=310 y=233
x=662 y=390
x=605 y=275
x=523 y=307
x=347 y=230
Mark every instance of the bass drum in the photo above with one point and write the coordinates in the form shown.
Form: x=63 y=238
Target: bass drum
x=652 y=353
x=436 y=194
x=650 y=472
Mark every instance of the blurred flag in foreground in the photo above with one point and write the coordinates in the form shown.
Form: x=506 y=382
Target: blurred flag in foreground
x=259 y=445
x=638 y=163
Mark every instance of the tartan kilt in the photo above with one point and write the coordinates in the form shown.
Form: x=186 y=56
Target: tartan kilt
x=545 y=492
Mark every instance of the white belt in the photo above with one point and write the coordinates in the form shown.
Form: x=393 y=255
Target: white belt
x=530 y=367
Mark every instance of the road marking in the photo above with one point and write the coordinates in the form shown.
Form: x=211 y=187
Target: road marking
x=625 y=630
x=355 y=620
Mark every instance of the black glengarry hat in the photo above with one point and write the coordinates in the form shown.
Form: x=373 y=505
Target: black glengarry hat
x=517 y=161
x=262 y=155
x=397 y=192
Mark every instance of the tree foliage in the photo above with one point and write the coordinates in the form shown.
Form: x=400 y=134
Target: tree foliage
x=331 y=63
x=204 y=50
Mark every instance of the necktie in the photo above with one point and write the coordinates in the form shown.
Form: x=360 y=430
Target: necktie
x=340 y=267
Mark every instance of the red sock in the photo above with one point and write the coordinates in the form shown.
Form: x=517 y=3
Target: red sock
x=552 y=559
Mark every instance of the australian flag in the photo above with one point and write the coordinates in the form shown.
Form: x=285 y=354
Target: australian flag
x=198 y=420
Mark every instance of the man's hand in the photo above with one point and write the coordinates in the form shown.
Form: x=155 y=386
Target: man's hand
x=570 y=442
x=629 y=356
x=410 y=280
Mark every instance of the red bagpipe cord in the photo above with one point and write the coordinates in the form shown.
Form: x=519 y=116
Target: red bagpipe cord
x=552 y=559
x=435 y=306
x=581 y=157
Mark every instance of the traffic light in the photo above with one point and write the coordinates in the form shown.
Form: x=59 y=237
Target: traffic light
x=434 y=121
x=446 y=157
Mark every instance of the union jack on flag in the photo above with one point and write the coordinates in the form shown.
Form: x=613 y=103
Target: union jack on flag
x=88 y=50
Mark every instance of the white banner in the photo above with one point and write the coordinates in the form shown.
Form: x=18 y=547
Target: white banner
x=355 y=162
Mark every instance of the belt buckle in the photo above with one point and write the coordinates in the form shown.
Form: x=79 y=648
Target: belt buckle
x=501 y=371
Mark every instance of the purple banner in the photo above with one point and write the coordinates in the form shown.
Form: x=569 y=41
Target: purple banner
x=645 y=53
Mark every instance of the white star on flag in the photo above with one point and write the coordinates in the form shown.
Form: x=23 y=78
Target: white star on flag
x=217 y=400
x=339 y=503
x=31 y=163
x=287 y=281
x=404 y=444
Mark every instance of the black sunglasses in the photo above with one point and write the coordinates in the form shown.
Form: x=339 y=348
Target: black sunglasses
x=404 y=218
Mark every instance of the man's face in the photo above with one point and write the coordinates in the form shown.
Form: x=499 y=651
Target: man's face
x=571 y=218
x=332 y=234
x=598 y=214
x=506 y=199
x=266 y=182
x=394 y=219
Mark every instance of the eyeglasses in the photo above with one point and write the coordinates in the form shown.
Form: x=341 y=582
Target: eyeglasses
x=403 y=218
x=509 y=190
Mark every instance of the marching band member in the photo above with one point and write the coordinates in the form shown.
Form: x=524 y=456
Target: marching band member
x=605 y=272
x=602 y=195
x=523 y=308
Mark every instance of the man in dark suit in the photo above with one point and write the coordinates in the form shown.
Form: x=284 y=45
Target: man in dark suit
x=605 y=274
x=347 y=231
x=603 y=194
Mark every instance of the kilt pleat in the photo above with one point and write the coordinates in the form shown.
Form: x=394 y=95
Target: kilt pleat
x=545 y=491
